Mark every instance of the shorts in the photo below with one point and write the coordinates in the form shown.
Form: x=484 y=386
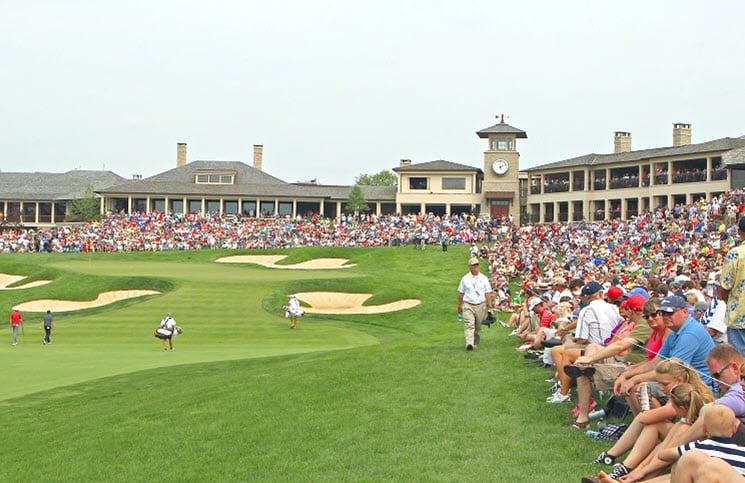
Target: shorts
x=549 y=333
x=606 y=375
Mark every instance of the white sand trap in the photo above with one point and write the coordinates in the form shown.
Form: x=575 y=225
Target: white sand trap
x=270 y=261
x=103 y=298
x=6 y=280
x=349 y=303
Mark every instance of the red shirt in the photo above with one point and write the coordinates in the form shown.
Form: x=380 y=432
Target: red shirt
x=546 y=317
x=16 y=317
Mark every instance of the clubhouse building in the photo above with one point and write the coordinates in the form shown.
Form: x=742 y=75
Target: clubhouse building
x=589 y=187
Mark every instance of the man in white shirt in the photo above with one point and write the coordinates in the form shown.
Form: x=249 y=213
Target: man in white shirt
x=474 y=301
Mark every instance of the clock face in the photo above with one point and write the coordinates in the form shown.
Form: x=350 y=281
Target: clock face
x=500 y=166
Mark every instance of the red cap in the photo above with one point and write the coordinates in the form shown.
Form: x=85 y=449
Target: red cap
x=635 y=302
x=614 y=292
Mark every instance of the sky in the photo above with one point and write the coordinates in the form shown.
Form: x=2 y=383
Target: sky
x=335 y=89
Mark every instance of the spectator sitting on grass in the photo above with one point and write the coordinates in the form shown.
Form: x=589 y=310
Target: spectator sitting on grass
x=594 y=325
x=535 y=338
x=719 y=424
x=649 y=426
x=627 y=348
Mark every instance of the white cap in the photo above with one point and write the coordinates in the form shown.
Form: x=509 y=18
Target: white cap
x=533 y=302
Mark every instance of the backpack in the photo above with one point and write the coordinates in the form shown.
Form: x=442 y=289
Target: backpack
x=616 y=407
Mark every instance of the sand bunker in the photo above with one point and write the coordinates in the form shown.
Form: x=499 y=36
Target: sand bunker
x=104 y=298
x=6 y=280
x=270 y=261
x=349 y=303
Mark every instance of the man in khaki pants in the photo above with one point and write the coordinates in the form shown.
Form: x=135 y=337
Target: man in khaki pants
x=474 y=301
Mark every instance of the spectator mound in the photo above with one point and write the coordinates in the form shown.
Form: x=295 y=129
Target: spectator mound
x=270 y=261
x=103 y=298
x=349 y=303
x=6 y=280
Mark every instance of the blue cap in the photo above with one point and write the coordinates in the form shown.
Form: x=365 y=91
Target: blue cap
x=591 y=288
x=636 y=291
x=671 y=303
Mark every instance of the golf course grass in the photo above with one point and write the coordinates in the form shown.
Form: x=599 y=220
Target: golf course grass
x=372 y=397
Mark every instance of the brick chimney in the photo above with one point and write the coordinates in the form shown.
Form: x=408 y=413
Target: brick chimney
x=405 y=162
x=621 y=142
x=180 y=154
x=681 y=134
x=259 y=156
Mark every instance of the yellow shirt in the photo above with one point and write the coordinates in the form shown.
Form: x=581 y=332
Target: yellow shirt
x=733 y=279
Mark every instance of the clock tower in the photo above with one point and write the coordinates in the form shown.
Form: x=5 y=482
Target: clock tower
x=501 y=186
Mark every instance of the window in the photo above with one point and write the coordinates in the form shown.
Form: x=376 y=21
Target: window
x=214 y=178
x=418 y=183
x=453 y=183
x=501 y=144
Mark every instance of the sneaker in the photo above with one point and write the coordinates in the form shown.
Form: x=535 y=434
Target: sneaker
x=559 y=398
x=171 y=348
x=604 y=458
x=502 y=324
x=43 y=341
x=555 y=388
x=552 y=380
x=15 y=343
x=514 y=332
x=556 y=392
x=469 y=347
x=619 y=470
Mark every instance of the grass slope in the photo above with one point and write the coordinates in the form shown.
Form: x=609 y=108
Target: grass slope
x=388 y=397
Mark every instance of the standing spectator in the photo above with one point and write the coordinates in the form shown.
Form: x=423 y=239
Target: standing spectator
x=732 y=291
x=16 y=320
x=474 y=301
x=47 y=324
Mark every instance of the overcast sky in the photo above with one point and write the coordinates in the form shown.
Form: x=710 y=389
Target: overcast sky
x=333 y=89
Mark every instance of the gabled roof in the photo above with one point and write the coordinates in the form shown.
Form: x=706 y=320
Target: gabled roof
x=248 y=181
x=40 y=186
x=438 y=165
x=502 y=128
x=592 y=159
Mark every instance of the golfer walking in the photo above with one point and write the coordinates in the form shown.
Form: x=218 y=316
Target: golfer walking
x=169 y=325
x=474 y=301
x=47 y=324
x=16 y=320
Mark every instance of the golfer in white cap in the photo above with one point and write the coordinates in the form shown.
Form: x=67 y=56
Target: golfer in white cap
x=474 y=301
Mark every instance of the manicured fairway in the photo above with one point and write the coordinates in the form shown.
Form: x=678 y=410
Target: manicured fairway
x=382 y=397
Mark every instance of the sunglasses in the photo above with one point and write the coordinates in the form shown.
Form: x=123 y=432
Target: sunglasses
x=716 y=375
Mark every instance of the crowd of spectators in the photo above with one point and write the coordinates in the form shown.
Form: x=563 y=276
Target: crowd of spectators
x=621 y=305
x=157 y=231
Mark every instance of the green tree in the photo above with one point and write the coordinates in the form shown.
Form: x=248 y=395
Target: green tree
x=356 y=201
x=86 y=207
x=384 y=178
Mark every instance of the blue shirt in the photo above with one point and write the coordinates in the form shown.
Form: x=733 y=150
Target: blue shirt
x=691 y=343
